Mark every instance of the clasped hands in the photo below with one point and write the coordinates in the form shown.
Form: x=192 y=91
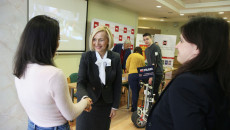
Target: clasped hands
x=89 y=103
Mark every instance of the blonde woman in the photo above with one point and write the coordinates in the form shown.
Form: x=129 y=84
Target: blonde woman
x=99 y=78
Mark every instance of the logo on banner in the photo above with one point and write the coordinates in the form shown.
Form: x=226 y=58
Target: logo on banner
x=96 y=24
x=128 y=37
x=131 y=47
x=132 y=31
x=145 y=72
x=107 y=25
x=164 y=42
x=120 y=37
x=125 y=30
x=117 y=29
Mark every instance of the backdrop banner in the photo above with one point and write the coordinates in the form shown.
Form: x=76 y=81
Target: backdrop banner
x=120 y=32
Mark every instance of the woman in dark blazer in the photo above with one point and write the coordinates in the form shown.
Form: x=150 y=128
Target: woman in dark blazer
x=198 y=97
x=99 y=78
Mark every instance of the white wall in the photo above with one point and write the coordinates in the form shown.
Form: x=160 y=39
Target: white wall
x=13 y=18
x=12 y=21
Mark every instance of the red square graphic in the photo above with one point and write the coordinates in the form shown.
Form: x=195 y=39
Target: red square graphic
x=116 y=28
x=120 y=37
x=107 y=25
x=128 y=37
x=131 y=47
x=125 y=30
x=95 y=24
x=132 y=31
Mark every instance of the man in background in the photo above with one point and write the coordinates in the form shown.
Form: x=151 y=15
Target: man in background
x=124 y=51
x=154 y=57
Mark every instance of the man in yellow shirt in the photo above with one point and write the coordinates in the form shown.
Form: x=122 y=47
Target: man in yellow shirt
x=134 y=61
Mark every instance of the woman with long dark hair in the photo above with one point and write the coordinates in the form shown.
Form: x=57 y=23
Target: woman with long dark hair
x=198 y=97
x=42 y=88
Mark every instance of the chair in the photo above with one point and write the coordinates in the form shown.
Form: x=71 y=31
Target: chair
x=71 y=79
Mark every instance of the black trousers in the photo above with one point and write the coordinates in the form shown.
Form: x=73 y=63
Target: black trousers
x=97 y=119
x=156 y=86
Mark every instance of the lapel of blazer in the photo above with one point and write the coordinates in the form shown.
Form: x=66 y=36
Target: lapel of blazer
x=95 y=67
x=108 y=69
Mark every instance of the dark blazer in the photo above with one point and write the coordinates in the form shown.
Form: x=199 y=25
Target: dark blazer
x=118 y=49
x=191 y=102
x=89 y=83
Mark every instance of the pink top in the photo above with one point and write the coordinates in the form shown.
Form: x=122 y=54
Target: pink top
x=44 y=94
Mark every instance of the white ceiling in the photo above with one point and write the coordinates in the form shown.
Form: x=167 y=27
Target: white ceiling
x=171 y=9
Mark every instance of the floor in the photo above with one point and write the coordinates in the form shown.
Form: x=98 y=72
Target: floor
x=122 y=121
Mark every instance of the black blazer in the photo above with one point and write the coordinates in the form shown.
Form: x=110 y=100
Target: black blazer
x=89 y=83
x=191 y=102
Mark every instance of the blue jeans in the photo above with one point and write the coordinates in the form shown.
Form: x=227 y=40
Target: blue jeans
x=32 y=126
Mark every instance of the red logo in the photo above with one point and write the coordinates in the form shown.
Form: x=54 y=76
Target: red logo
x=132 y=31
x=113 y=35
x=164 y=42
x=96 y=24
x=125 y=30
x=131 y=47
x=120 y=37
x=116 y=28
x=107 y=25
x=141 y=70
x=128 y=37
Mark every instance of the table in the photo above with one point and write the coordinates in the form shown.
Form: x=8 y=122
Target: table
x=169 y=69
x=124 y=82
x=73 y=86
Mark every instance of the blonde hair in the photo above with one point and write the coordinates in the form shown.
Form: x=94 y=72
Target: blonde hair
x=127 y=41
x=100 y=29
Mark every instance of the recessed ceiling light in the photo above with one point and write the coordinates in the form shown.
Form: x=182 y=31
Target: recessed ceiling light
x=221 y=13
x=144 y=18
x=181 y=14
x=162 y=20
x=225 y=17
x=158 y=6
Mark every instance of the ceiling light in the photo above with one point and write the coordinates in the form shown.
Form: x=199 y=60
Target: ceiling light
x=225 y=18
x=228 y=21
x=158 y=6
x=181 y=14
x=162 y=20
x=221 y=13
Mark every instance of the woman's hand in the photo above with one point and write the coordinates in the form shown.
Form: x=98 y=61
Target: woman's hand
x=89 y=103
x=112 y=113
